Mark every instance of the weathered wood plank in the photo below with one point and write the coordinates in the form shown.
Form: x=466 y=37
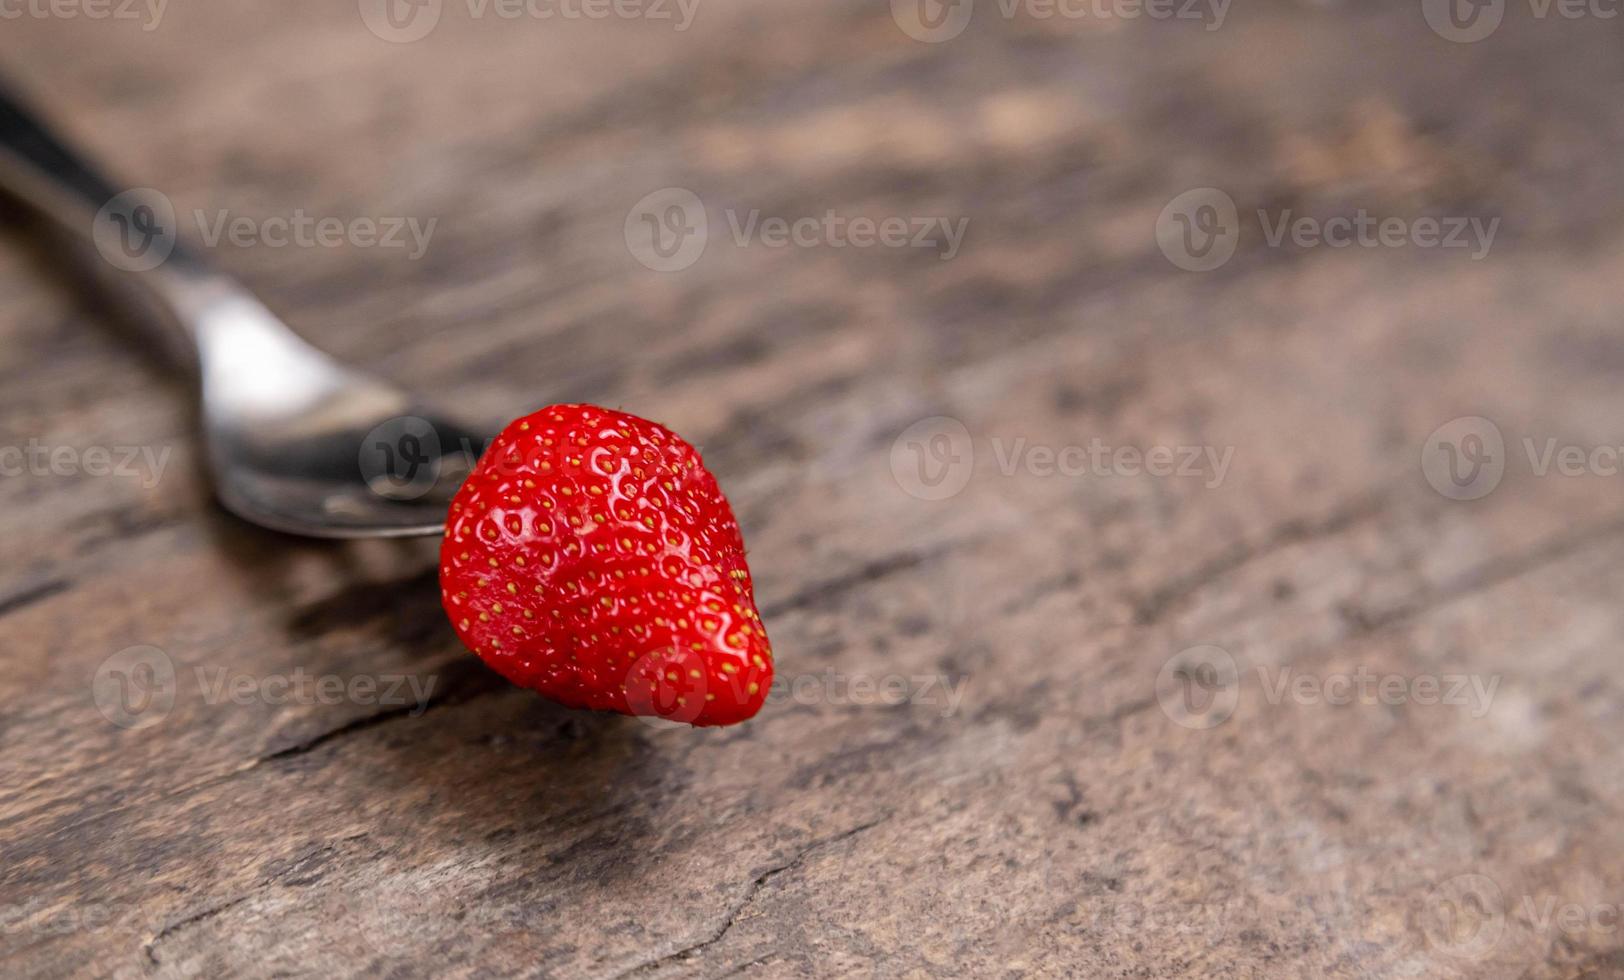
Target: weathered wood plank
x=1031 y=809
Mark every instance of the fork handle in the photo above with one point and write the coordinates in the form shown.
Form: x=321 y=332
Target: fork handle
x=36 y=165
x=134 y=231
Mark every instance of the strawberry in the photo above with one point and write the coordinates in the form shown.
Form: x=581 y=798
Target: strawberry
x=591 y=556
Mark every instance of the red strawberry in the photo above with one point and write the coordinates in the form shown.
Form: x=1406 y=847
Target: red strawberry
x=592 y=557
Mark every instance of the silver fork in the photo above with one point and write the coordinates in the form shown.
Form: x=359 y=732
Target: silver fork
x=294 y=440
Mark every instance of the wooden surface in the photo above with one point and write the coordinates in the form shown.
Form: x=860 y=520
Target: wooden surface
x=1057 y=820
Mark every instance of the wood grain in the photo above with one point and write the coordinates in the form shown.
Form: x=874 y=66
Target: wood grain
x=1056 y=821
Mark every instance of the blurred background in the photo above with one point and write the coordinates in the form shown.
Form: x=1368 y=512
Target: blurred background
x=1200 y=416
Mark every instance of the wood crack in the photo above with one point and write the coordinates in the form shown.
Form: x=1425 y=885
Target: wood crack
x=357 y=725
x=37 y=593
x=1493 y=573
x=751 y=890
x=867 y=574
x=1482 y=578
x=491 y=684
x=1151 y=609
x=150 y=947
x=481 y=682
